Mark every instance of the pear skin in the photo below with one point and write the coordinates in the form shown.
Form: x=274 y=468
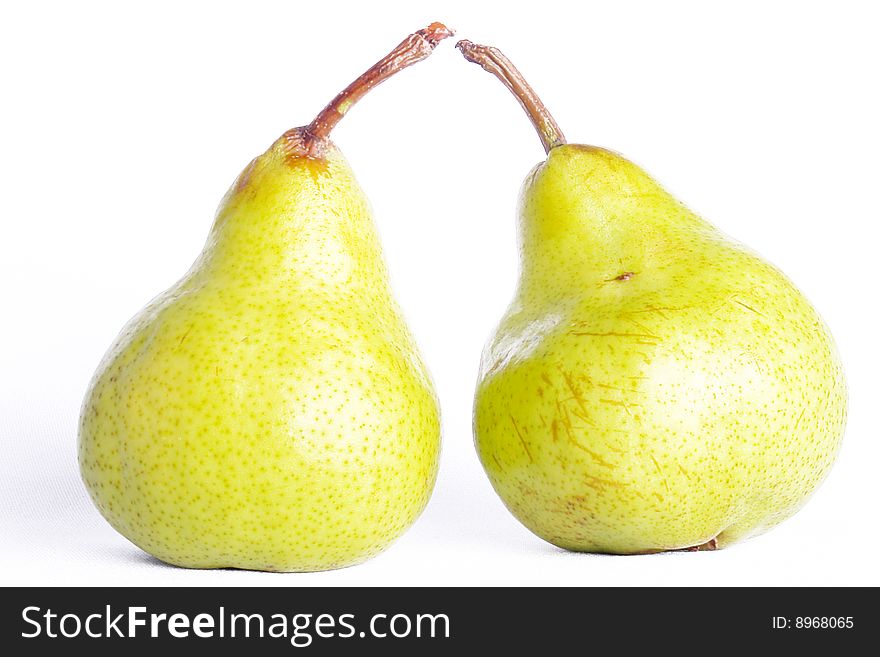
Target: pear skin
x=271 y=410
x=654 y=385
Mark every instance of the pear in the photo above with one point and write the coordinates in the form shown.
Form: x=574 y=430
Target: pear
x=654 y=385
x=271 y=411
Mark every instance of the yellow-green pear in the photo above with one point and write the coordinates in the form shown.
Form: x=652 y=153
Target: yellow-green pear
x=271 y=411
x=654 y=385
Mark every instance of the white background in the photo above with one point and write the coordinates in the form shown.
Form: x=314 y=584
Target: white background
x=122 y=128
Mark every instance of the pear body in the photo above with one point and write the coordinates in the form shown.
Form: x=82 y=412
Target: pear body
x=270 y=411
x=654 y=385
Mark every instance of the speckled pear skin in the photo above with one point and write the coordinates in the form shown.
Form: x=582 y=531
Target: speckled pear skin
x=270 y=411
x=654 y=385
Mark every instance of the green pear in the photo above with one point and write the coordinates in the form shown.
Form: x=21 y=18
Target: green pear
x=654 y=385
x=271 y=411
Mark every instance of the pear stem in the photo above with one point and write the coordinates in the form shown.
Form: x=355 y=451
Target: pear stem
x=495 y=62
x=412 y=49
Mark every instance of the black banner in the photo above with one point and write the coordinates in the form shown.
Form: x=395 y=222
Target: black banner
x=333 y=621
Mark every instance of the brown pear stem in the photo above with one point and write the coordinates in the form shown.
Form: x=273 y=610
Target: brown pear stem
x=495 y=62
x=412 y=49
